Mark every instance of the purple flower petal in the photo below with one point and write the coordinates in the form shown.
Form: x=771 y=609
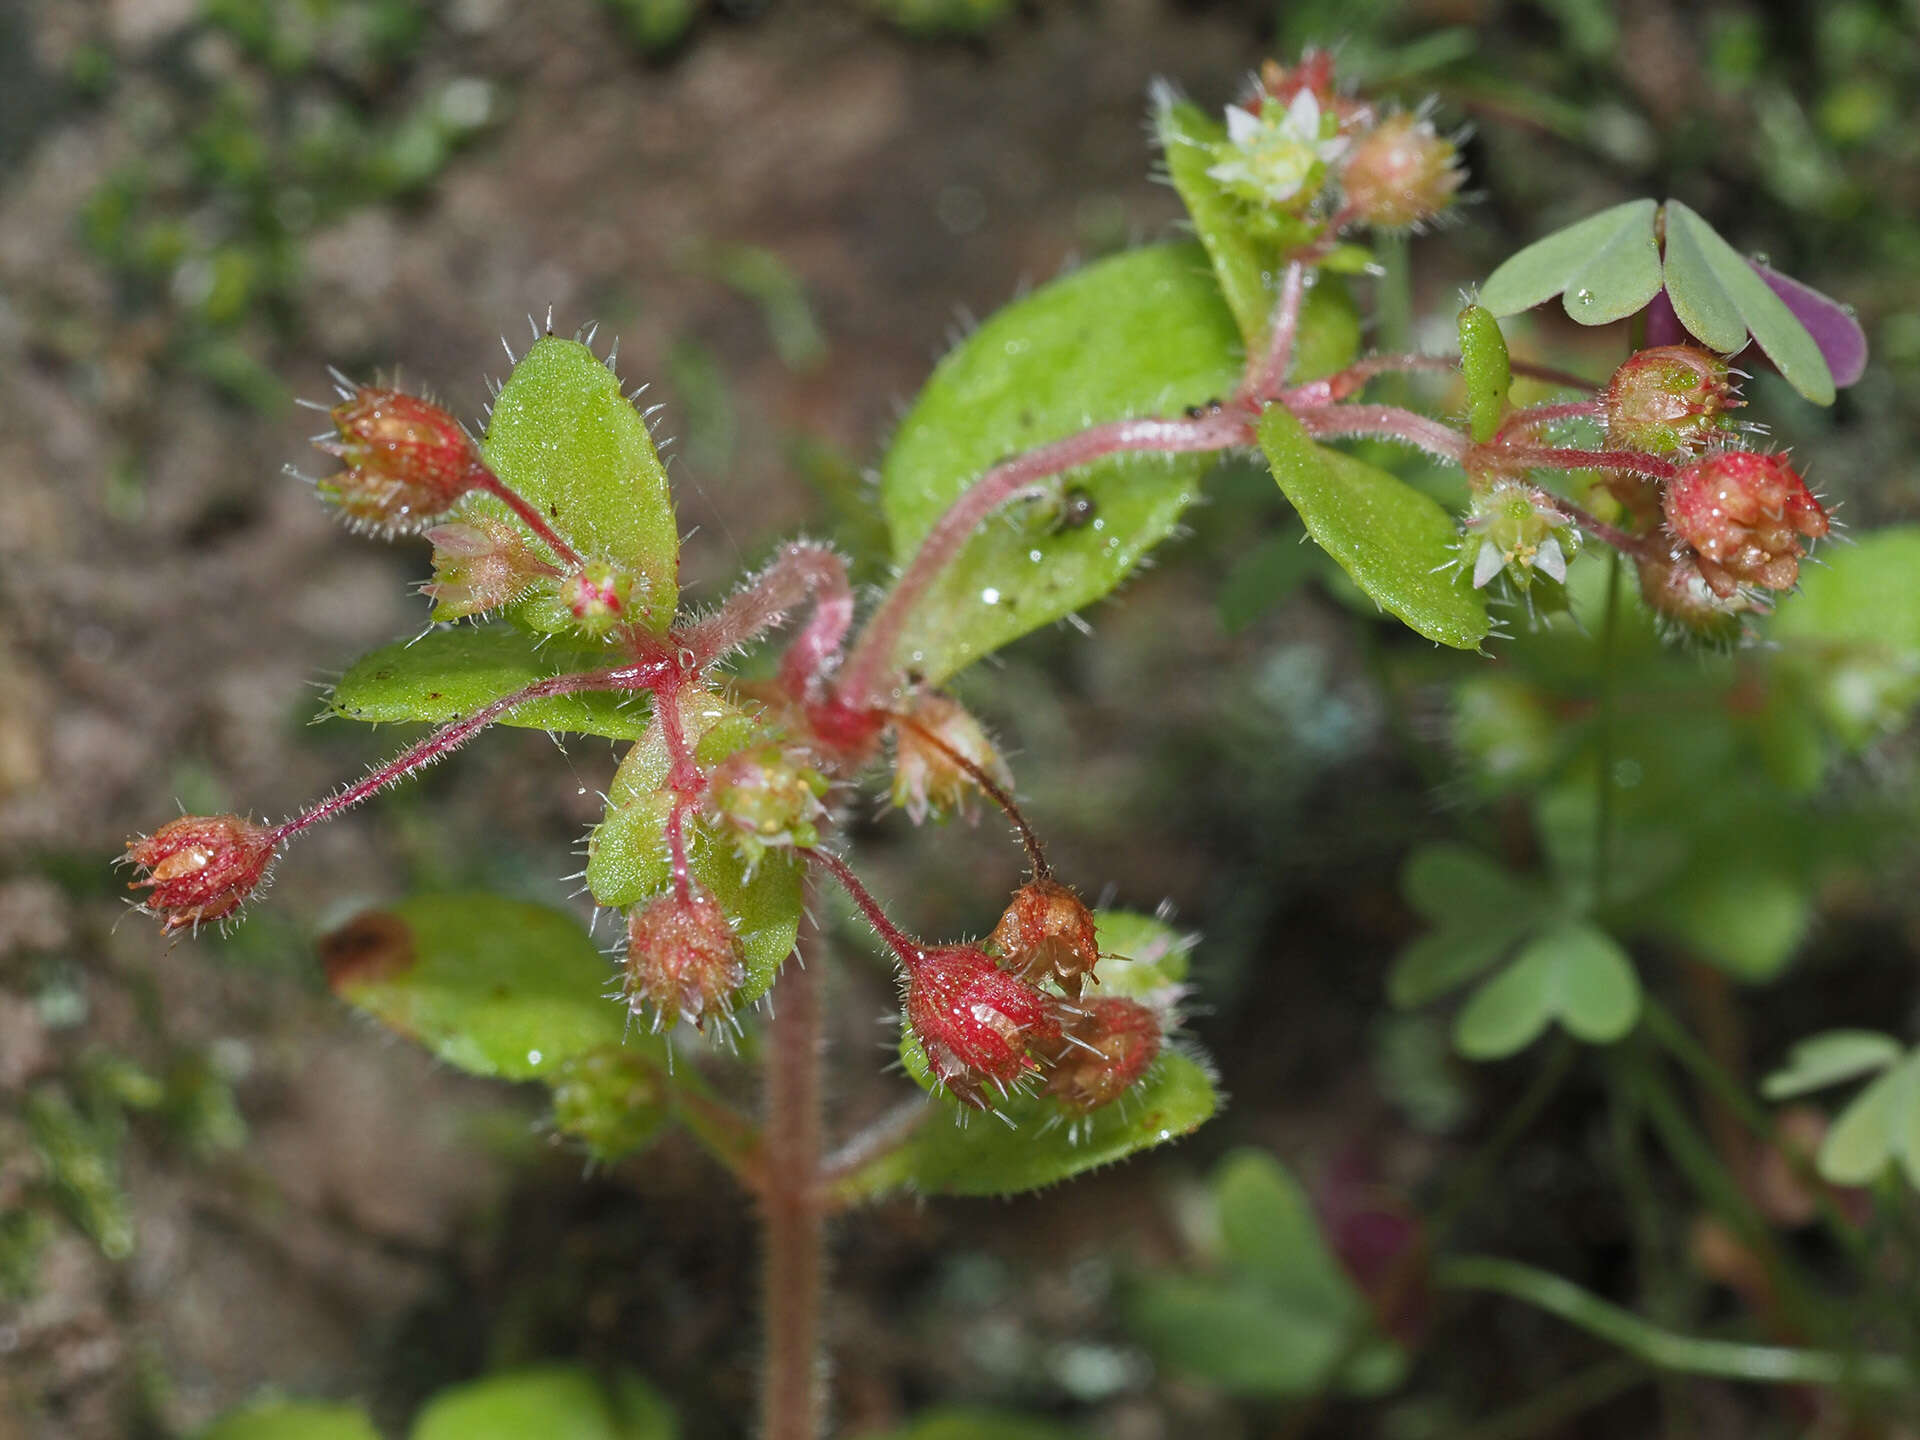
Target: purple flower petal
x=1663 y=326
x=1834 y=330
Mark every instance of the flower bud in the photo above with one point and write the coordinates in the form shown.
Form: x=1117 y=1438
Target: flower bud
x=480 y=565
x=1670 y=398
x=200 y=867
x=1102 y=1052
x=974 y=1021
x=1401 y=172
x=1745 y=515
x=927 y=779
x=768 y=795
x=598 y=596
x=1515 y=528
x=683 y=958
x=407 y=460
x=1047 y=933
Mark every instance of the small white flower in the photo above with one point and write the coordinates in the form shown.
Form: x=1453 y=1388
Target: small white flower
x=1275 y=155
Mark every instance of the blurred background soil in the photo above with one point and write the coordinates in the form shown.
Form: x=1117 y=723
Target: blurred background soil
x=785 y=213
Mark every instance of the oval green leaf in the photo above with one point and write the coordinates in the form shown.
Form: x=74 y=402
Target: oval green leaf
x=1142 y=333
x=449 y=674
x=1721 y=298
x=1243 y=263
x=490 y=986
x=293 y=1421
x=565 y=438
x=1397 y=544
x=1606 y=266
x=1575 y=974
x=1830 y=1058
x=1862 y=1141
x=553 y=1402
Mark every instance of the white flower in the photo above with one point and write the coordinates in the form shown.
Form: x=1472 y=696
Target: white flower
x=1275 y=155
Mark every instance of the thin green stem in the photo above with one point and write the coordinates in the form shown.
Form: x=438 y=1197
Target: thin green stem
x=1477 y=1171
x=1663 y=1349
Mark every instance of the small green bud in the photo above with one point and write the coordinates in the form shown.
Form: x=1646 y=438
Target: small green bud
x=1487 y=371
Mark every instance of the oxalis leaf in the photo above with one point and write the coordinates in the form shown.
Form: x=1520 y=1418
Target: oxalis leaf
x=567 y=440
x=1881 y=1126
x=1830 y=1058
x=554 y=1402
x=491 y=986
x=1396 y=543
x=1572 y=973
x=449 y=674
x=1142 y=333
x=1033 y=1143
x=1607 y=266
x=627 y=860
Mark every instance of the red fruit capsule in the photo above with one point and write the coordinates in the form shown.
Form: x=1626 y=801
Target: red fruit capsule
x=1670 y=398
x=683 y=958
x=975 y=1021
x=200 y=867
x=1745 y=515
x=407 y=459
x=1047 y=933
x=1102 y=1053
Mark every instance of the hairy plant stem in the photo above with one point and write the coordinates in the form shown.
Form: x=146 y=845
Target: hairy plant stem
x=867 y=680
x=792 y=1203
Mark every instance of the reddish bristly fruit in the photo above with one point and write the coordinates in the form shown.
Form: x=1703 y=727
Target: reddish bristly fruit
x=683 y=959
x=1687 y=607
x=975 y=1022
x=1047 y=933
x=480 y=565
x=927 y=779
x=1401 y=173
x=1672 y=398
x=1102 y=1052
x=200 y=867
x=1745 y=515
x=406 y=459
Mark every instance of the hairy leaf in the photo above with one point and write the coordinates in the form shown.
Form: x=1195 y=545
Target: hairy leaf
x=1143 y=333
x=564 y=436
x=554 y=1402
x=490 y=986
x=449 y=674
x=1396 y=543
x=1607 y=266
x=1243 y=263
x=627 y=858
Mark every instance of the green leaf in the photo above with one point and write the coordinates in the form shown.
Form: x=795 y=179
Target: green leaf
x=1243 y=263
x=1880 y=1126
x=566 y=439
x=1487 y=369
x=1263 y=578
x=965 y=1422
x=1285 y=1314
x=1398 y=545
x=1573 y=973
x=976 y=1154
x=1853 y=631
x=1746 y=917
x=1448 y=882
x=490 y=986
x=614 y=1100
x=1607 y=266
x=627 y=860
x=1142 y=333
x=1830 y=1058
x=553 y=1402
x=1720 y=298
x=293 y=1421
x=1445 y=960
x=449 y=674
x=1139 y=953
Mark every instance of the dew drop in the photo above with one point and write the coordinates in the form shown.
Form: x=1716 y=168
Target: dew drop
x=534 y=1057
x=990 y=596
x=1583 y=296
x=1034 y=556
x=1761 y=257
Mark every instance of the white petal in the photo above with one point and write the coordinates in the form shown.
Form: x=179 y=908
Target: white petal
x=1242 y=125
x=1550 y=560
x=1303 y=116
x=1488 y=565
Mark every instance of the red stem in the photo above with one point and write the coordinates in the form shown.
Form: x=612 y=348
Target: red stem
x=1029 y=841
x=451 y=737
x=1386 y=422
x=910 y=951
x=1271 y=374
x=801 y=571
x=486 y=480
x=1535 y=416
x=868 y=678
x=793 y=1207
x=1553 y=457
